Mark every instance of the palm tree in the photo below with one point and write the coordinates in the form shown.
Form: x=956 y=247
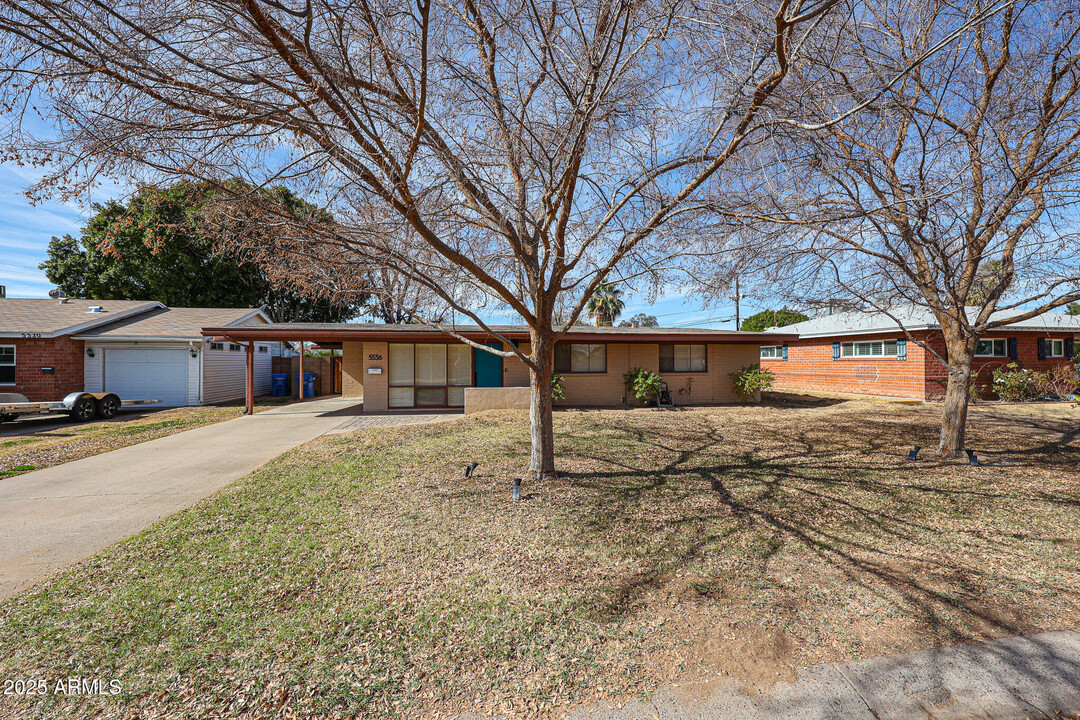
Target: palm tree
x=606 y=304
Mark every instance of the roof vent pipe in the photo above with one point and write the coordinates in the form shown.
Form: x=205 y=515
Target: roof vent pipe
x=96 y=309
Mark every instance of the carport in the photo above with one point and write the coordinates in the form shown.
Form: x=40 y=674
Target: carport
x=351 y=338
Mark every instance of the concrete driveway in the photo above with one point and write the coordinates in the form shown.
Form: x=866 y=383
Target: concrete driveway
x=53 y=517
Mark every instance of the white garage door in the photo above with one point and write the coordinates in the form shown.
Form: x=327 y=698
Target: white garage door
x=147 y=374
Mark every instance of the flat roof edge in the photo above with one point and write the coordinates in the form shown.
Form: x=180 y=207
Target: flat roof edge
x=421 y=334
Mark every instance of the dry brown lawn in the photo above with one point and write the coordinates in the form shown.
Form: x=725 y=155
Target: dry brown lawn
x=362 y=575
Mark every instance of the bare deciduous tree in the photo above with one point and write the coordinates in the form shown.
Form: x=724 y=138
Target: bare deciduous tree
x=954 y=192
x=532 y=150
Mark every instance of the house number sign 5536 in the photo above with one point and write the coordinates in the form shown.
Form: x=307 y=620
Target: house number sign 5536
x=373 y=356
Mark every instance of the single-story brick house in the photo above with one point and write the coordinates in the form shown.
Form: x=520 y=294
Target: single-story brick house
x=137 y=349
x=412 y=366
x=868 y=353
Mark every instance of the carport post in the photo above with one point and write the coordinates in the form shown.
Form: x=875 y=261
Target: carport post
x=249 y=380
x=300 y=375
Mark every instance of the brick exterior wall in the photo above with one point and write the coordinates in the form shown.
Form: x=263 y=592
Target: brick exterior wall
x=62 y=354
x=810 y=365
x=376 y=387
x=352 y=369
x=1027 y=356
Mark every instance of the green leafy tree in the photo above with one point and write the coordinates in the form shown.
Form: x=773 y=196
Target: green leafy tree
x=158 y=247
x=1072 y=308
x=771 y=318
x=606 y=304
x=640 y=320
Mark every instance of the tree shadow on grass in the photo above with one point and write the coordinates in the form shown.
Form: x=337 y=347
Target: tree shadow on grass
x=834 y=504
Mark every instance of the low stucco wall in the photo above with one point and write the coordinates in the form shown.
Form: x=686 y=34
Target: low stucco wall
x=492 y=398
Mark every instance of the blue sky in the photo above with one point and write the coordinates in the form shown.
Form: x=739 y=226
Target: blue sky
x=25 y=231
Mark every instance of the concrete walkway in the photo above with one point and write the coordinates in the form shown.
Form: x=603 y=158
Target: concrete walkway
x=53 y=517
x=1009 y=679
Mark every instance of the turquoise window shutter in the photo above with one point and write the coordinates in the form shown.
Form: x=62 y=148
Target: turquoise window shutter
x=836 y=351
x=901 y=349
x=783 y=351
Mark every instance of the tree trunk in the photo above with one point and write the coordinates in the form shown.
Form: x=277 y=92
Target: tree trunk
x=954 y=413
x=542 y=459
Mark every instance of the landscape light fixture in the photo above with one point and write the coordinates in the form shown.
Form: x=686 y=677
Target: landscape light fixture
x=914 y=454
x=469 y=468
x=972 y=460
x=517 y=488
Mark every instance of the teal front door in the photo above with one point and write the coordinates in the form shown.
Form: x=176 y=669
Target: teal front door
x=488 y=367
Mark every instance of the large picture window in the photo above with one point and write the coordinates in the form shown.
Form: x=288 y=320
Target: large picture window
x=991 y=348
x=573 y=358
x=429 y=374
x=869 y=348
x=682 y=358
x=7 y=364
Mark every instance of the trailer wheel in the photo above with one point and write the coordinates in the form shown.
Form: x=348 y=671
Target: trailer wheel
x=107 y=407
x=84 y=409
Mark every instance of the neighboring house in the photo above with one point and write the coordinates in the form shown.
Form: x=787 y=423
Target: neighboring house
x=868 y=353
x=136 y=349
x=412 y=366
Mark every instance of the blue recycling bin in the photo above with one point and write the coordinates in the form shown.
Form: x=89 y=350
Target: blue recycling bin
x=309 y=384
x=279 y=384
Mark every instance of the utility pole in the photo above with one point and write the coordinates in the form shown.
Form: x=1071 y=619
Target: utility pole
x=736 y=299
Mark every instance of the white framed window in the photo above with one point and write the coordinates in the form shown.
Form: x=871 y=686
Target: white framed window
x=217 y=346
x=772 y=351
x=263 y=348
x=1055 y=348
x=994 y=347
x=868 y=349
x=7 y=364
x=233 y=347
